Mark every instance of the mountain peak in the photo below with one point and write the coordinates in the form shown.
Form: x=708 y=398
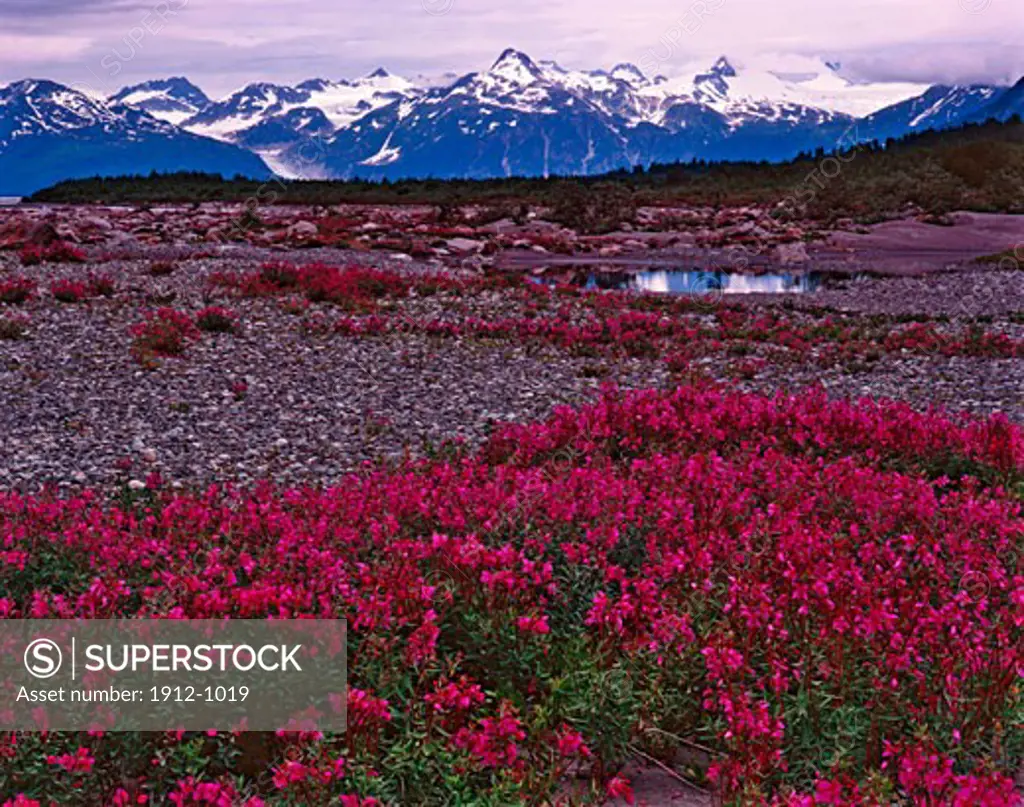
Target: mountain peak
x=313 y=84
x=172 y=94
x=28 y=86
x=515 y=66
x=511 y=56
x=512 y=53
x=713 y=86
x=628 y=72
x=723 y=67
x=380 y=72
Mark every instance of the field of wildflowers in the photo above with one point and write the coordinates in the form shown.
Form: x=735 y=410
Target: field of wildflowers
x=677 y=329
x=820 y=602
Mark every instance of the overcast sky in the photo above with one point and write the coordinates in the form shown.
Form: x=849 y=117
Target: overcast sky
x=222 y=44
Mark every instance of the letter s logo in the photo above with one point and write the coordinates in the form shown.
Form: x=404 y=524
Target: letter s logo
x=43 y=658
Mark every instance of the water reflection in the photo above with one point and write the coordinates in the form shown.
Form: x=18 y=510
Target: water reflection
x=681 y=281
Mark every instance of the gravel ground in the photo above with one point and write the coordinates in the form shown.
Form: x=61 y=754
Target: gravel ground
x=78 y=404
x=969 y=293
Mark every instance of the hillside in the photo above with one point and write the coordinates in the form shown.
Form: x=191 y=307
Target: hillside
x=976 y=167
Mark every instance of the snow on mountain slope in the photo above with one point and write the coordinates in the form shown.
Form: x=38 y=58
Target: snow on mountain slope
x=790 y=91
x=256 y=105
x=1006 y=104
x=938 y=108
x=35 y=107
x=616 y=92
x=821 y=83
x=173 y=100
x=244 y=108
x=345 y=101
x=830 y=91
x=50 y=132
x=516 y=117
x=783 y=89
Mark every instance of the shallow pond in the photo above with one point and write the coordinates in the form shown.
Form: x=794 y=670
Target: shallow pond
x=684 y=281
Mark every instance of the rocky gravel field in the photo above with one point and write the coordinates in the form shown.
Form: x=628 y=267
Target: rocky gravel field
x=274 y=400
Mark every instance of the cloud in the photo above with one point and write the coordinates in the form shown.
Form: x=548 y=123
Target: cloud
x=224 y=43
x=941 y=62
x=64 y=8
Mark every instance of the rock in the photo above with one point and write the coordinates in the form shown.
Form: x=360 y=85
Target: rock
x=122 y=240
x=97 y=223
x=43 y=234
x=788 y=254
x=499 y=226
x=464 y=244
x=303 y=229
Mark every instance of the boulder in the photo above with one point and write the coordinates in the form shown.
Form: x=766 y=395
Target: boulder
x=96 y=223
x=43 y=234
x=789 y=254
x=303 y=229
x=464 y=244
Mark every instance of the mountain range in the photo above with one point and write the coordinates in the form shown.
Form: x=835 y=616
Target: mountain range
x=519 y=117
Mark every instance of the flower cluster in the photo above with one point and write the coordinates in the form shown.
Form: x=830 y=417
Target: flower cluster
x=57 y=252
x=15 y=290
x=214 y=319
x=76 y=291
x=164 y=332
x=825 y=596
x=619 y=325
x=353 y=288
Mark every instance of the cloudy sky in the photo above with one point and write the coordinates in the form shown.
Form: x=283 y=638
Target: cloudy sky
x=222 y=44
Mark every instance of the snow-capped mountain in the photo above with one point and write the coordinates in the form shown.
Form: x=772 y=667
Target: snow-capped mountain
x=340 y=102
x=31 y=108
x=244 y=108
x=739 y=86
x=525 y=117
x=618 y=92
x=1006 y=105
x=716 y=112
x=510 y=119
x=519 y=116
x=266 y=117
x=173 y=100
x=345 y=101
x=753 y=96
x=50 y=132
x=939 y=107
